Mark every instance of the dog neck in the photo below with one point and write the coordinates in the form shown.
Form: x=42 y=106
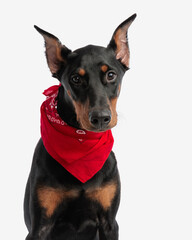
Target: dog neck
x=65 y=109
x=80 y=152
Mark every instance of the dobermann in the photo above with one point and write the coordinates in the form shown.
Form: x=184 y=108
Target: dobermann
x=57 y=205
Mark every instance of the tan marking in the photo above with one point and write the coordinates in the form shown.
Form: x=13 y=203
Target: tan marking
x=104 y=195
x=50 y=198
x=104 y=68
x=119 y=89
x=69 y=93
x=82 y=112
x=81 y=72
x=112 y=105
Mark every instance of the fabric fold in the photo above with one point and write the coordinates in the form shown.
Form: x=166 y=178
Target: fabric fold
x=80 y=152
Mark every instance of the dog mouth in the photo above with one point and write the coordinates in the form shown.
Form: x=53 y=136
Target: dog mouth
x=97 y=129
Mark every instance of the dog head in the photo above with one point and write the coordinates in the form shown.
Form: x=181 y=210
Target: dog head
x=91 y=76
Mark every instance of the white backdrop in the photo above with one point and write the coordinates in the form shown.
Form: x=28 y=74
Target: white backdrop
x=153 y=139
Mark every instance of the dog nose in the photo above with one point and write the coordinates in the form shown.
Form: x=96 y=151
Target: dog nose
x=100 y=119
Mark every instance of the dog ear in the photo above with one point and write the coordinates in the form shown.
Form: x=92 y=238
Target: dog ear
x=56 y=53
x=119 y=42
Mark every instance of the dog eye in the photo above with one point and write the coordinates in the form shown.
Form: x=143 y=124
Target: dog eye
x=76 y=79
x=111 y=76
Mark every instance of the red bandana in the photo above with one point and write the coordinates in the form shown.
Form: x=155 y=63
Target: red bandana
x=80 y=152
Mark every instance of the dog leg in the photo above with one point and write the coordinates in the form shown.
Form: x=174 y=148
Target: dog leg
x=109 y=233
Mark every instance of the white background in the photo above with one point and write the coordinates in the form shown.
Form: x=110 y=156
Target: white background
x=153 y=139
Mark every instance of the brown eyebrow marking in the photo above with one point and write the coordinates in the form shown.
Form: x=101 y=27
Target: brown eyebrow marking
x=104 y=68
x=81 y=72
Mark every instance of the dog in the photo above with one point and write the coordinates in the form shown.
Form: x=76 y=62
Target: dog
x=73 y=190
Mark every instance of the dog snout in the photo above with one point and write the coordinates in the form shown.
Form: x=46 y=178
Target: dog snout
x=100 y=119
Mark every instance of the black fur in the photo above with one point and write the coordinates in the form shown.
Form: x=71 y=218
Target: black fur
x=81 y=217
